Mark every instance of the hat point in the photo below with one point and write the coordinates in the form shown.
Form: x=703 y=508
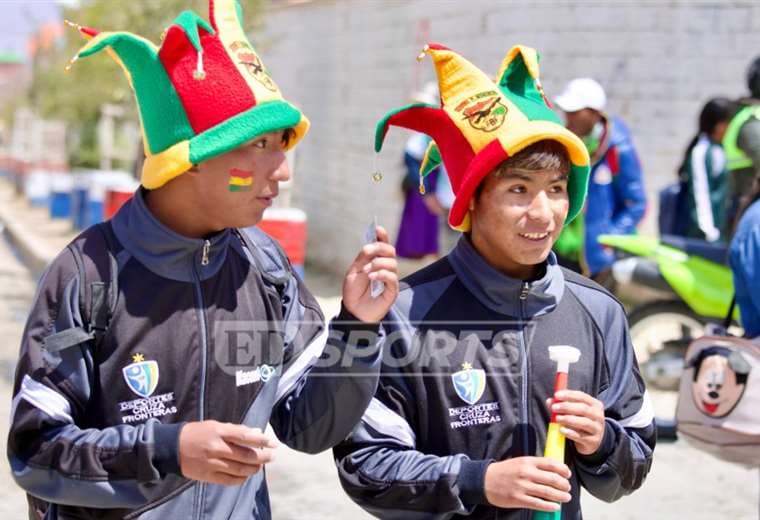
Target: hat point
x=188 y=23
x=185 y=120
x=87 y=32
x=428 y=48
x=70 y=64
x=437 y=47
x=421 y=55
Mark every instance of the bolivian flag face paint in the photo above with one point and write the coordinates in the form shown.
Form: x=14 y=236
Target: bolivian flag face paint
x=240 y=180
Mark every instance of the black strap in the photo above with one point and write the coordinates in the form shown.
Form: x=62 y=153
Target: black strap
x=729 y=317
x=246 y=240
x=66 y=338
x=103 y=295
x=278 y=282
x=83 y=289
x=97 y=298
x=101 y=316
x=113 y=266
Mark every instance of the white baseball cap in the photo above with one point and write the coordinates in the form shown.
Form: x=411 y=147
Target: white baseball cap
x=582 y=93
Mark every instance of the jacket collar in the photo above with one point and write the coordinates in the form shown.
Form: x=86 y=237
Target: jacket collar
x=163 y=251
x=604 y=142
x=501 y=293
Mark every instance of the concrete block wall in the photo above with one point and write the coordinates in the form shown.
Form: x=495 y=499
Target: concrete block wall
x=346 y=62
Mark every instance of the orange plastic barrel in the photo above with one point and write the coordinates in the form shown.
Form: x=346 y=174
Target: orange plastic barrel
x=288 y=227
x=115 y=199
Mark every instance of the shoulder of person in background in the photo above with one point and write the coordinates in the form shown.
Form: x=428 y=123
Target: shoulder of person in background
x=620 y=133
x=748 y=139
x=749 y=221
x=744 y=260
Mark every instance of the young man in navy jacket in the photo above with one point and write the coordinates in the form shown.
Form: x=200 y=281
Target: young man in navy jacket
x=162 y=343
x=459 y=421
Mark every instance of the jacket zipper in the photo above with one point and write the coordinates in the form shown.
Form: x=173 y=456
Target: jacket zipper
x=204 y=254
x=525 y=368
x=201 y=489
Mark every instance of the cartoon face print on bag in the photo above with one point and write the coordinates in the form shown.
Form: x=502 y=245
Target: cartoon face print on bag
x=720 y=377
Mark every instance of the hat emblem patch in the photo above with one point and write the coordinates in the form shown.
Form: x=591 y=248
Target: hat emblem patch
x=252 y=64
x=484 y=111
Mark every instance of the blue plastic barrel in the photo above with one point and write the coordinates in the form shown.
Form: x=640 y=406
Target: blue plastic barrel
x=60 y=204
x=60 y=195
x=88 y=204
x=79 y=205
x=95 y=211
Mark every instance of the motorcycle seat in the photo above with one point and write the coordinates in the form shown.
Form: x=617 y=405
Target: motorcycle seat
x=717 y=253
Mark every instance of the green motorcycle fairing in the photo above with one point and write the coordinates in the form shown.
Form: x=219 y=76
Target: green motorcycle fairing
x=707 y=287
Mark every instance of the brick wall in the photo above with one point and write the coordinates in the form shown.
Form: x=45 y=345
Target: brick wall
x=346 y=62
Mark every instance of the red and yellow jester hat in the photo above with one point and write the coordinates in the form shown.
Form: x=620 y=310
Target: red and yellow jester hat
x=481 y=123
x=202 y=93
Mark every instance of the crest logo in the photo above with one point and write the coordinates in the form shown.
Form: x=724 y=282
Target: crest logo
x=469 y=383
x=141 y=376
x=251 y=61
x=483 y=111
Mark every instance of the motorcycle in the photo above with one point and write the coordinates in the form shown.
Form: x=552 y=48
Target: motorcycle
x=689 y=284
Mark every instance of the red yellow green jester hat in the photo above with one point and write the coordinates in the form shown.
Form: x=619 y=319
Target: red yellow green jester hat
x=202 y=93
x=481 y=123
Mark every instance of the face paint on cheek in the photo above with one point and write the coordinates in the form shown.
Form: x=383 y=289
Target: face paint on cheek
x=240 y=180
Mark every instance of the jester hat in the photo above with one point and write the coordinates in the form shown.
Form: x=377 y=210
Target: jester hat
x=202 y=93
x=481 y=123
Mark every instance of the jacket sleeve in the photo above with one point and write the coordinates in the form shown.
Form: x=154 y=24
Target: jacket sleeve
x=52 y=454
x=629 y=192
x=744 y=258
x=699 y=163
x=623 y=460
x=384 y=472
x=328 y=377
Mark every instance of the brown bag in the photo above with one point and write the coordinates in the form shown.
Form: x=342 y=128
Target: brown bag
x=719 y=398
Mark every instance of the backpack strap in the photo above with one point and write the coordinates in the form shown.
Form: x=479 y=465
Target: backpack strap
x=97 y=297
x=730 y=315
x=103 y=295
x=267 y=255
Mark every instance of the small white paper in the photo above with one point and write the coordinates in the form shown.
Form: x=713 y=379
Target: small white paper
x=376 y=287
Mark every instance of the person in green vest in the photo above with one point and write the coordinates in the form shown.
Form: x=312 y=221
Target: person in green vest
x=742 y=142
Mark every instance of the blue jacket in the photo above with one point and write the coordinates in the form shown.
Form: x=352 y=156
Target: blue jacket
x=616 y=199
x=744 y=258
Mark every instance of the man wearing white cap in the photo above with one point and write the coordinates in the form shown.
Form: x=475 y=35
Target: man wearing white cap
x=616 y=198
